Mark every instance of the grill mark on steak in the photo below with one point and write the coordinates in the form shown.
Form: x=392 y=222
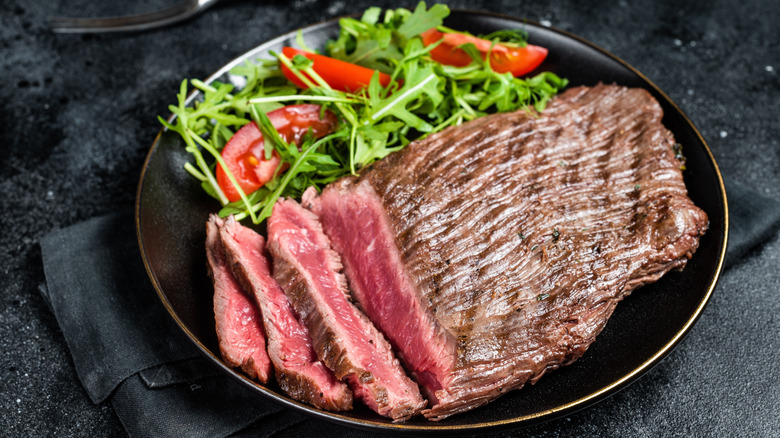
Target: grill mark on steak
x=298 y=371
x=593 y=186
x=239 y=326
x=308 y=271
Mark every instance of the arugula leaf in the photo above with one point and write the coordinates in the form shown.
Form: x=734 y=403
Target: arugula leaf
x=424 y=97
x=423 y=19
x=517 y=37
x=380 y=45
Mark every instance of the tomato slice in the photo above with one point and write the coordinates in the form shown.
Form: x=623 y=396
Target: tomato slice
x=244 y=153
x=340 y=75
x=503 y=58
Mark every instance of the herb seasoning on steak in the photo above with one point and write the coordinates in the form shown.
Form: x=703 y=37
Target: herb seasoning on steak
x=507 y=242
x=298 y=371
x=239 y=325
x=308 y=271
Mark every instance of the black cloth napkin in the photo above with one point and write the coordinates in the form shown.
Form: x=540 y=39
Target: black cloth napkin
x=127 y=349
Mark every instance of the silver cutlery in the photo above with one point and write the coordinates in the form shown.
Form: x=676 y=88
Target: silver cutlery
x=129 y=23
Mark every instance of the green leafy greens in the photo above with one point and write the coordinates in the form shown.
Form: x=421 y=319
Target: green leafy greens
x=423 y=98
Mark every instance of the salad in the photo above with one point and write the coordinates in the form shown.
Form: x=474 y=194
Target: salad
x=306 y=118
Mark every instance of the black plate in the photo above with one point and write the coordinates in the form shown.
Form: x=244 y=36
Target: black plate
x=171 y=212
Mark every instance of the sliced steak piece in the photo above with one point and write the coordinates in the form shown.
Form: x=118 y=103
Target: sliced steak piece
x=298 y=371
x=361 y=233
x=516 y=234
x=307 y=269
x=238 y=322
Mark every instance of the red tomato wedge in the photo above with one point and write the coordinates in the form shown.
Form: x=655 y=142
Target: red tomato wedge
x=244 y=153
x=503 y=58
x=340 y=75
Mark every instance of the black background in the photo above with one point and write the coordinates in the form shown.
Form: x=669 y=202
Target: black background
x=79 y=114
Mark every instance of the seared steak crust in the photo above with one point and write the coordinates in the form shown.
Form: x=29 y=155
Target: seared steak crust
x=521 y=232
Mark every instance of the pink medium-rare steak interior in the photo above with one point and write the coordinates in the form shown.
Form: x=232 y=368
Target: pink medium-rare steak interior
x=359 y=230
x=345 y=340
x=239 y=324
x=520 y=233
x=298 y=371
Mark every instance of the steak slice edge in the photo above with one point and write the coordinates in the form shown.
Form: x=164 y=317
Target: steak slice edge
x=307 y=269
x=298 y=371
x=359 y=231
x=239 y=326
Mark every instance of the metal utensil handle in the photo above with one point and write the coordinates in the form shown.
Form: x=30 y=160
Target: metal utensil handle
x=129 y=23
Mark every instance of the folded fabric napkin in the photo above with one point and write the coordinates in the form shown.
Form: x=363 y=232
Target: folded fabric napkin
x=127 y=349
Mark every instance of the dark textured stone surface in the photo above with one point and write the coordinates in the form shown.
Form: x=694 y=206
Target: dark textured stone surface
x=79 y=113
